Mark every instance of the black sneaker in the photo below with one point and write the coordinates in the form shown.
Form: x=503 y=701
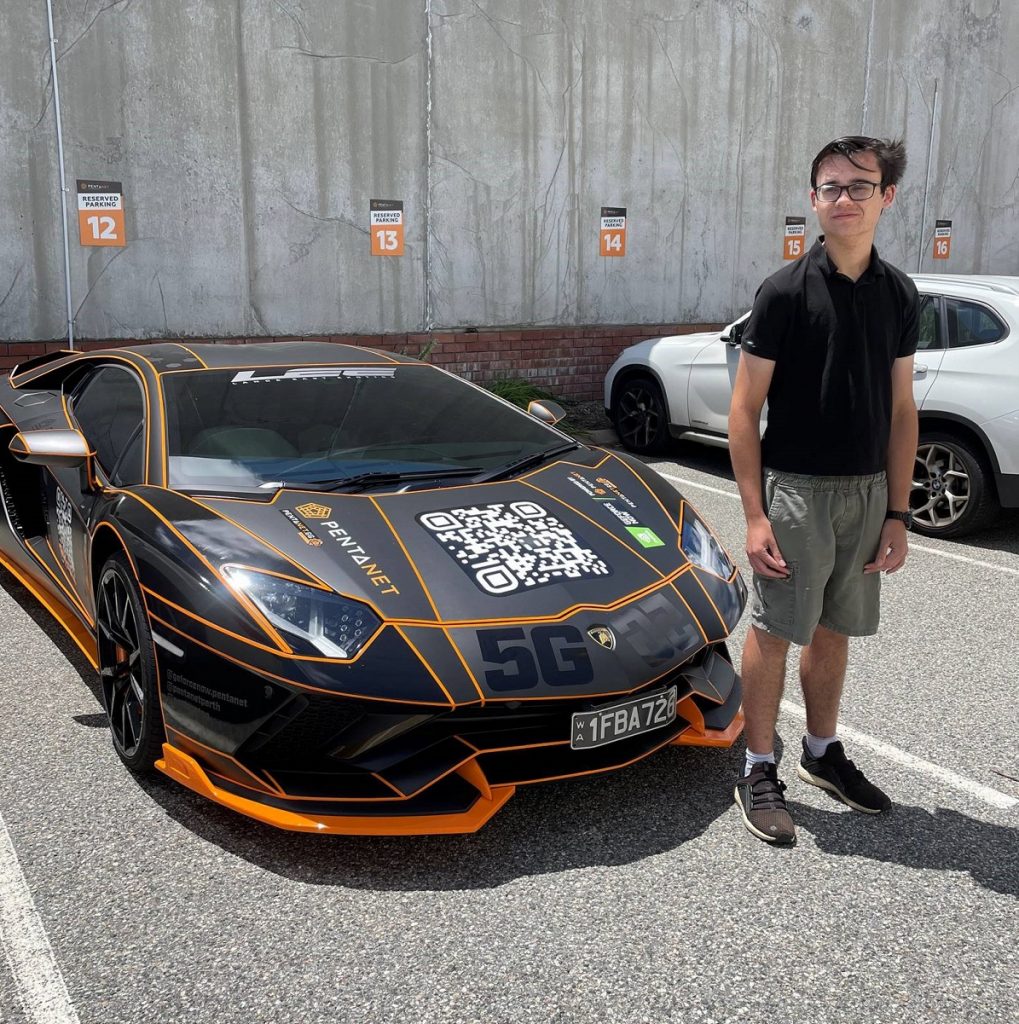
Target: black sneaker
x=834 y=772
x=759 y=797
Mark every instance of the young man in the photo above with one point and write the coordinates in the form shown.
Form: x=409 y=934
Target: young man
x=830 y=345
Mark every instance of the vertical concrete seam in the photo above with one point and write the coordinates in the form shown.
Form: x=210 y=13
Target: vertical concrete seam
x=866 y=68
x=429 y=324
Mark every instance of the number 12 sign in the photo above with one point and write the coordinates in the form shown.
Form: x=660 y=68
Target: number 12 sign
x=101 y=213
x=386 y=227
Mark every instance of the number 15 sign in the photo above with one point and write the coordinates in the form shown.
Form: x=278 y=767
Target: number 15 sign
x=101 y=213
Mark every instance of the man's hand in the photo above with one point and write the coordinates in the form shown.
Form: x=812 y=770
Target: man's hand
x=762 y=550
x=892 y=549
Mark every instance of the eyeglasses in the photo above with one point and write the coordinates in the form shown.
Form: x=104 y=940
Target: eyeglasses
x=858 y=190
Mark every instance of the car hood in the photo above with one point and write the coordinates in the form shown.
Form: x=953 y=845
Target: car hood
x=589 y=532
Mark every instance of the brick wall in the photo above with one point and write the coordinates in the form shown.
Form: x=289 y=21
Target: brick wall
x=568 y=361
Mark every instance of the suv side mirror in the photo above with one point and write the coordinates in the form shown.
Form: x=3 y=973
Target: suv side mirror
x=734 y=335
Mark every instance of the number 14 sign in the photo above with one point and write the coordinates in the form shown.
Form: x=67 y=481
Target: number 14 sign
x=101 y=213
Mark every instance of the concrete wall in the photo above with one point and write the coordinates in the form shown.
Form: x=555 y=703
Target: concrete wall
x=251 y=134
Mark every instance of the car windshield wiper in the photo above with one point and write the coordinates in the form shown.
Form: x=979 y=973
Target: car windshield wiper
x=534 y=459
x=380 y=477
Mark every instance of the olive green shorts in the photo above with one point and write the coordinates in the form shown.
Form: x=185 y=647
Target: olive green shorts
x=827 y=528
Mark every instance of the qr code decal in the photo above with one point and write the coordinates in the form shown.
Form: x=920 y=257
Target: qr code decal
x=507 y=548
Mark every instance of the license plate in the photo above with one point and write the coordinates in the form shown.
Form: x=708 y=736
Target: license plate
x=618 y=721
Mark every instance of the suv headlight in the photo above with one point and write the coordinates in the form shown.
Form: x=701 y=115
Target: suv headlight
x=701 y=547
x=312 y=621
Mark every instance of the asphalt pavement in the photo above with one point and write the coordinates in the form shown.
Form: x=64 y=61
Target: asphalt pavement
x=631 y=897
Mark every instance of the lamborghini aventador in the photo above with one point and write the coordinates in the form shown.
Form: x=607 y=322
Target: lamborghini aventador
x=343 y=591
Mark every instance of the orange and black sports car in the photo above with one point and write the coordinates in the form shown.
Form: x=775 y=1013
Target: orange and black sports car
x=343 y=591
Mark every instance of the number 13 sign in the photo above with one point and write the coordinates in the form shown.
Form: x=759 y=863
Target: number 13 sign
x=101 y=213
x=386 y=227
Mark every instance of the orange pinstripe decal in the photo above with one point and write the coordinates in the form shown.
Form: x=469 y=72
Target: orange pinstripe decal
x=63 y=615
x=244 y=602
x=225 y=756
x=424 y=661
x=287 y=655
x=70 y=589
x=704 y=590
x=463 y=661
x=194 y=355
x=293 y=682
x=608 y=533
x=410 y=561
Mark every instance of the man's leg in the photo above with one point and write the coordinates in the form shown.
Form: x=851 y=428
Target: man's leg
x=759 y=793
x=763 y=674
x=822 y=674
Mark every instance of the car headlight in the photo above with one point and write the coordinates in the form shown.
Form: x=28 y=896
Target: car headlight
x=312 y=621
x=701 y=547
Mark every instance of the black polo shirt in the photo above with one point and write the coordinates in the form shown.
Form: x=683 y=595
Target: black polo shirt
x=833 y=342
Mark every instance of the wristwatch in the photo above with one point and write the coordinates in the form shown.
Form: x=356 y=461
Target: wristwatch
x=903 y=517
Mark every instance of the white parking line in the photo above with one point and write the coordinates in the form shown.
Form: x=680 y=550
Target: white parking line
x=985 y=793
x=913 y=546
x=41 y=989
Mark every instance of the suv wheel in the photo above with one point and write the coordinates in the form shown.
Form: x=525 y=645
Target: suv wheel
x=638 y=412
x=952 y=489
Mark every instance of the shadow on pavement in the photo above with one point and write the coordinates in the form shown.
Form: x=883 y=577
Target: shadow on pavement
x=609 y=820
x=939 y=840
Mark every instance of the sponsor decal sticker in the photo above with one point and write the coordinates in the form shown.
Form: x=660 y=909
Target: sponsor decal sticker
x=312 y=373
x=360 y=557
x=64 y=536
x=608 y=494
x=646 y=537
x=302 y=529
x=310 y=510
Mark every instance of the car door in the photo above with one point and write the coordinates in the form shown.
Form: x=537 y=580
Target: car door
x=930 y=348
x=974 y=378
x=108 y=407
x=712 y=376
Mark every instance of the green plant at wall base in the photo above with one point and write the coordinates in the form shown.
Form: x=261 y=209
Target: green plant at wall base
x=517 y=390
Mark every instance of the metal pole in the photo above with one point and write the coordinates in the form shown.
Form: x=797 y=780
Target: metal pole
x=63 y=184
x=927 y=183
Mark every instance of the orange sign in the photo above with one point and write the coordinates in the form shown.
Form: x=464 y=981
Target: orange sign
x=613 y=231
x=942 y=239
x=387 y=227
x=101 y=213
x=795 y=237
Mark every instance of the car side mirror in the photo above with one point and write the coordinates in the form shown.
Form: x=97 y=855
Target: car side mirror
x=734 y=335
x=546 y=411
x=51 y=448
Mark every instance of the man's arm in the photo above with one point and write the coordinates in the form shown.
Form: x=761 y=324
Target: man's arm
x=902 y=441
x=753 y=378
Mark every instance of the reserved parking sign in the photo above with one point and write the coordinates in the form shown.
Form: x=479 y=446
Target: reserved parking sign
x=101 y=213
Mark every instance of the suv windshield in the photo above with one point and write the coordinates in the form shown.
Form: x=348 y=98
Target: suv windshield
x=308 y=425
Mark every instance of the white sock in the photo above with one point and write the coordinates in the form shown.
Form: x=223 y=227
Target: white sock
x=817 y=745
x=753 y=759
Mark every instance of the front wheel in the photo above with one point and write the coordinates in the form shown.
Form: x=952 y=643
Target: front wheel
x=638 y=412
x=127 y=667
x=952 y=492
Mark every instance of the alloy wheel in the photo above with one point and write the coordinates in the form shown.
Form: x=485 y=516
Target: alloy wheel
x=941 y=487
x=638 y=421
x=120 y=661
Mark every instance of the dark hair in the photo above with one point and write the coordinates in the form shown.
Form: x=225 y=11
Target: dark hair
x=890 y=154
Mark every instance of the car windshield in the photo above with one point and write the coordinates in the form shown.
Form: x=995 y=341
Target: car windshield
x=315 y=425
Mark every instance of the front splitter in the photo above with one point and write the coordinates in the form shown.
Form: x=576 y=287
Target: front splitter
x=188 y=772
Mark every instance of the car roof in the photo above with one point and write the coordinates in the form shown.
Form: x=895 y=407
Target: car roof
x=973 y=283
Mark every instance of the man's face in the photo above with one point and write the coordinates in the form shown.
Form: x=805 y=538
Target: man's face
x=848 y=219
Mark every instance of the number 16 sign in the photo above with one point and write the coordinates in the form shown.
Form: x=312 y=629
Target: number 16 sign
x=386 y=227
x=101 y=213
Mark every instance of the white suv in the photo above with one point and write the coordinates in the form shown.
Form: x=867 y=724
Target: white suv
x=966 y=384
